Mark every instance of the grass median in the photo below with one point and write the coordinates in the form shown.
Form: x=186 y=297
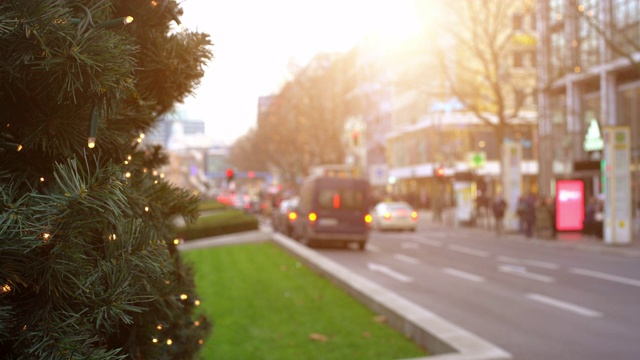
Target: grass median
x=266 y=304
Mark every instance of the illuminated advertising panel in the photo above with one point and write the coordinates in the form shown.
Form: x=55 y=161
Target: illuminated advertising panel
x=569 y=205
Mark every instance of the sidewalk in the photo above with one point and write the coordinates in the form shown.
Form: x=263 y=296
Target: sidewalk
x=574 y=240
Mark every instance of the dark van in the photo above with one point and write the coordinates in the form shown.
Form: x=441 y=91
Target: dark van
x=333 y=209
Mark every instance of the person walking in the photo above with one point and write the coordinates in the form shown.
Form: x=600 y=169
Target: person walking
x=528 y=215
x=499 y=207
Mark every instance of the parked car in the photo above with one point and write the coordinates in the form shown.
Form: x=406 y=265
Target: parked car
x=284 y=218
x=397 y=215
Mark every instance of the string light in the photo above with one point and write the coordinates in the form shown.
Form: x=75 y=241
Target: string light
x=41 y=179
x=159 y=327
x=200 y=341
x=46 y=236
x=154 y=3
x=129 y=157
x=162 y=176
x=126 y=162
x=142 y=135
x=6 y=288
x=121 y=21
x=127 y=174
x=184 y=297
x=146 y=208
x=169 y=342
x=196 y=323
x=155 y=172
x=112 y=237
x=197 y=302
x=154 y=340
x=176 y=241
x=93 y=126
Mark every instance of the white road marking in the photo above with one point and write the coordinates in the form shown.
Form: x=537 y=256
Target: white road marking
x=407 y=259
x=410 y=245
x=564 y=305
x=373 y=248
x=463 y=275
x=391 y=273
x=600 y=275
x=429 y=242
x=522 y=272
x=468 y=251
x=535 y=263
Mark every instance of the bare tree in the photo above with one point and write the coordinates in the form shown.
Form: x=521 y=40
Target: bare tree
x=488 y=59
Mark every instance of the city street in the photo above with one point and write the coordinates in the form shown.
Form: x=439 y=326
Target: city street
x=536 y=299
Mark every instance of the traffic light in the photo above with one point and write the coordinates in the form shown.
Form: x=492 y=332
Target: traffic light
x=230 y=175
x=355 y=136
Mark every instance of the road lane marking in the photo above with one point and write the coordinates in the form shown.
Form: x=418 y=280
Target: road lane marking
x=429 y=242
x=410 y=245
x=468 y=251
x=535 y=263
x=407 y=259
x=373 y=248
x=564 y=305
x=391 y=273
x=600 y=275
x=522 y=272
x=463 y=275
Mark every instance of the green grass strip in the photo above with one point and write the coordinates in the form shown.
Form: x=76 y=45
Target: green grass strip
x=265 y=304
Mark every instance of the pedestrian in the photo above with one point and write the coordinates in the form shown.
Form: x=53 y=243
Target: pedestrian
x=543 y=218
x=589 y=225
x=528 y=215
x=499 y=207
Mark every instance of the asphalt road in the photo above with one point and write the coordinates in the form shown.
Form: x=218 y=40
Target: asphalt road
x=533 y=300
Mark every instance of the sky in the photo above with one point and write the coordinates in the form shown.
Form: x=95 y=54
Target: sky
x=255 y=41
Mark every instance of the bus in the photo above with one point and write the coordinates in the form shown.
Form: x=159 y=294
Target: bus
x=333 y=209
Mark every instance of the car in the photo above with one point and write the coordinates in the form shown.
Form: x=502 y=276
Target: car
x=284 y=218
x=333 y=209
x=394 y=215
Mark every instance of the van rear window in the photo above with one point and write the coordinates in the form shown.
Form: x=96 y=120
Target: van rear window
x=345 y=199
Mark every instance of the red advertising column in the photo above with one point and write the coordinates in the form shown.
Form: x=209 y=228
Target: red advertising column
x=569 y=205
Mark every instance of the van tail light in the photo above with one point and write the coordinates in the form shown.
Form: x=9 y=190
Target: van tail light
x=313 y=217
x=368 y=219
x=293 y=216
x=414 y=215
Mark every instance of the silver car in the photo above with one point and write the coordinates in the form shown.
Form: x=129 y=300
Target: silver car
x=397 y=215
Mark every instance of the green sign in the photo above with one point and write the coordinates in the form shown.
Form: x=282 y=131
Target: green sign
x=477 y=159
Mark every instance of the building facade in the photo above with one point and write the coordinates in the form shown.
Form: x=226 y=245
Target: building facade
x=589 y=77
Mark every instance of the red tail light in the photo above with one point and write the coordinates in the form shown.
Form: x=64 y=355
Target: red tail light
x=336 y=201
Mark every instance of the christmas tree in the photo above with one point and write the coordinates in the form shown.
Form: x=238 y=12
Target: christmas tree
x=88 y=265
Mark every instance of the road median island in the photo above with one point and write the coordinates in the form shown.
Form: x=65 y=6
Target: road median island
x=428 y=330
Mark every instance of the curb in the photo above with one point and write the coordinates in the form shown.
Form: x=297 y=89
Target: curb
x=442 y=338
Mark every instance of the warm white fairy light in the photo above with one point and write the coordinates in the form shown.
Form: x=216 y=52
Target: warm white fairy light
x=112 y=237
x=127 y=174
x=142 y=135
x=155 y=181
x=139 y=140
x=155 y=172
x=154 y=340
x=167 y=282
x=169 y=342
x=162 y=176
x=146 y=208
x=41 y=179
x=176 y=241
x=159 y=327
x=46 y=236
x=184 y=297
x=6 y=288
x=200 y=341
x=197 y=302
x=19 y=147
x=129 y=157
x=126 y=162
x=196 y=323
